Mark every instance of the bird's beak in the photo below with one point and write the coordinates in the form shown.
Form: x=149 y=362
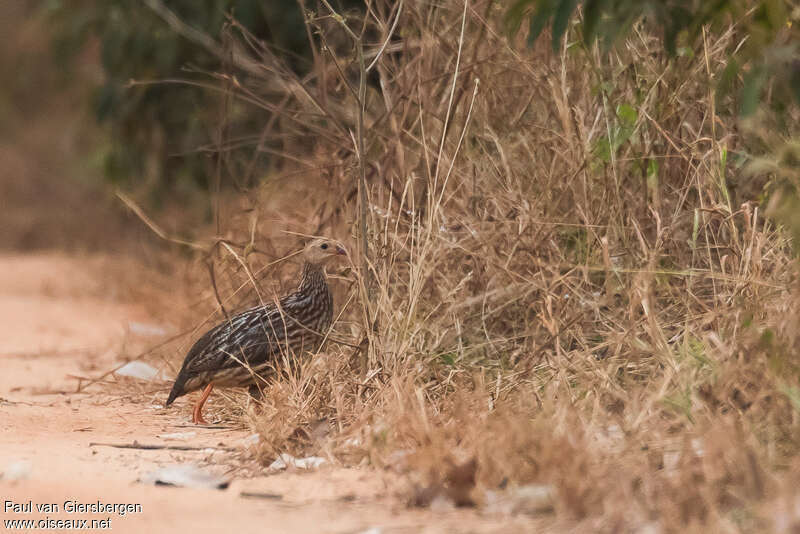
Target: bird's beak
x=340 y=250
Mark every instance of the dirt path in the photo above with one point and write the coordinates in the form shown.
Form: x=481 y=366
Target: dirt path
x=57 y=323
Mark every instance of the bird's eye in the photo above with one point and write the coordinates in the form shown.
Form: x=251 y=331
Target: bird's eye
x=324 y=246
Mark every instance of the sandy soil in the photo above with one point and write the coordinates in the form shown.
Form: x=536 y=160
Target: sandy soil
x=57 y=323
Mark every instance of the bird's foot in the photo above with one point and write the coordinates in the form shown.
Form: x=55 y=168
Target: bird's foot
x=197 y=412
x=197 y=417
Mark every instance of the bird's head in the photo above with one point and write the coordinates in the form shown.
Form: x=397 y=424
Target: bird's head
x=321 y=249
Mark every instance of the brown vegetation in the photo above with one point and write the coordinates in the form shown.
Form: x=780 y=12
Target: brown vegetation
x=567 y=284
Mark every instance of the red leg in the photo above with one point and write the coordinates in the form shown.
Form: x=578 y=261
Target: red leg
x=197 y=416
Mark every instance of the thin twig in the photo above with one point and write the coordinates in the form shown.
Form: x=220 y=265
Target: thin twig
x=150 y=447
x=388 y=36
x=210 y=265
x=365 y=277
x=261 y=495
x=128 y=201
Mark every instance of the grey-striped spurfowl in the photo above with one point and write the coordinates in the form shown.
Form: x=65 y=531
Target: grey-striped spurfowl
x=250 y=344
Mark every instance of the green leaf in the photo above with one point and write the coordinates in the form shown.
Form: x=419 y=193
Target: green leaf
x=652 y=176
x=627 y=115
x=516 y=12
x=728 y=78
x=561 y=20
x=793 y=394
x=540 y=19
x=794 y=79
x=448 y=358
x=775 y=13
x=613 y=25
x=751 y=90
x=602 y=149
x=652 y=169
x=591 y=19
x=677 y=21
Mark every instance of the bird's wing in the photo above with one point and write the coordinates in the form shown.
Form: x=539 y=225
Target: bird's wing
x=255 y=334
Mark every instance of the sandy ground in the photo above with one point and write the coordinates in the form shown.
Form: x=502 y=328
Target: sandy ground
x=57 y=323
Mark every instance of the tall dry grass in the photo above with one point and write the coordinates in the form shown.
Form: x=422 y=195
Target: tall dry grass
x=570 y=284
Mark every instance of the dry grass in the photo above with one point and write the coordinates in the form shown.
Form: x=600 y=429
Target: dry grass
x=566 y=286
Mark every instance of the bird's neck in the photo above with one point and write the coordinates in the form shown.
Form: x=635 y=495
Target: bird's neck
x=313 y=277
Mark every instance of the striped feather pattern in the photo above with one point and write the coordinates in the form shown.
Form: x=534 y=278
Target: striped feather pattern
x=252 y=342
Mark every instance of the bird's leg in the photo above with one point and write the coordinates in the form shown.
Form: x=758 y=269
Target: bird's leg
x=197 y=415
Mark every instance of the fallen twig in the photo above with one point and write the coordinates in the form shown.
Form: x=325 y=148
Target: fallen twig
x=152 y=447
x=45 y=353
x=211 y=426
x=261 y=495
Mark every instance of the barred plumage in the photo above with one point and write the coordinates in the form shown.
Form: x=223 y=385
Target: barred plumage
x=250 y=344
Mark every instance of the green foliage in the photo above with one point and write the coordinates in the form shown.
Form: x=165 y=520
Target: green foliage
x=156 y=128
x=448 y=358
x=793 y=394
x=620 y=133
x=576 y=241
x=764 y=68
x=680 y=402
x=680 y=21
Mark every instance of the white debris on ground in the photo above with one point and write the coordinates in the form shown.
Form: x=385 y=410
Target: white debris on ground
x=251 y=440
x=146 y=329
x=140 y=370
x=185 y=476
x=287 y=460
x=17 y=470
x=531 y=499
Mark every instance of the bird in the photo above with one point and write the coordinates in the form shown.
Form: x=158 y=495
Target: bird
x=236 y=352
